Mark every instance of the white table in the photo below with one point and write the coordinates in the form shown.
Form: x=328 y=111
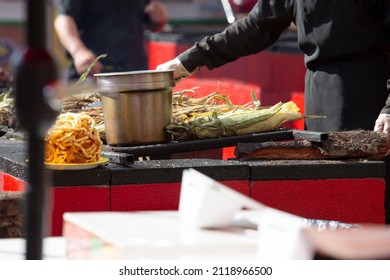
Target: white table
x=14 y=248
x=152 y=235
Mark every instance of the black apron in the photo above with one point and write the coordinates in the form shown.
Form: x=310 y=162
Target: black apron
x=346 y=77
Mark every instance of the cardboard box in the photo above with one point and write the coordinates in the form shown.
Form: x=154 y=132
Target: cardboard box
x=151 y=235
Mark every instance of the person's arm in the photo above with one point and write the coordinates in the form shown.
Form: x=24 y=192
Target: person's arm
x=249 y=35
x=68 y=35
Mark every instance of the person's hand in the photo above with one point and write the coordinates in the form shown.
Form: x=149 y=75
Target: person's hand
x=158 y=14
x=174 y=64
x=382 y=124
x=83 y=58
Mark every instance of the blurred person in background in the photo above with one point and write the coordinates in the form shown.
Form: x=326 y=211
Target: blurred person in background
x=87 y=29
x=5 y=80
x=6 y=50
x=345 y=45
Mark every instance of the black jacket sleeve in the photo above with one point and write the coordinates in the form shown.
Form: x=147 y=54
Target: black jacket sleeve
x=258 y=30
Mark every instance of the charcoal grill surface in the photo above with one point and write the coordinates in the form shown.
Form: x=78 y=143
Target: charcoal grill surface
x=197 y=145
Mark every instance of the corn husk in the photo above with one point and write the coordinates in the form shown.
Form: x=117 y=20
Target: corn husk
x=288 y=112
x=187 y=108
x=236 y=122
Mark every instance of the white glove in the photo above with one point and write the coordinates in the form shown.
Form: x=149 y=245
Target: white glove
x=174 y=64
x=382 y=124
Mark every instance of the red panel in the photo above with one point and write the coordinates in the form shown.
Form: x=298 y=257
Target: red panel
x=346 y=200
x=259 y=70
x=139 y=197
x=157 y=196
x=160 y=52
x=13 y=184
x=76 y=199
x=238 y=185
x=289 y=72
x=228 y=153
x=299 y=99
x=241 y=93
x=235 y=70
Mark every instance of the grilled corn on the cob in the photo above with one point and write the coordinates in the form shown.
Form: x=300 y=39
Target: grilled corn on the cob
x=236 y=123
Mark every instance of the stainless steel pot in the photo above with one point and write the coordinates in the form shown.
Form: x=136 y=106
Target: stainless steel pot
x=137 y=106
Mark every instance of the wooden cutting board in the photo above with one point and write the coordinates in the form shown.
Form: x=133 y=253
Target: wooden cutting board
x=338 y=145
